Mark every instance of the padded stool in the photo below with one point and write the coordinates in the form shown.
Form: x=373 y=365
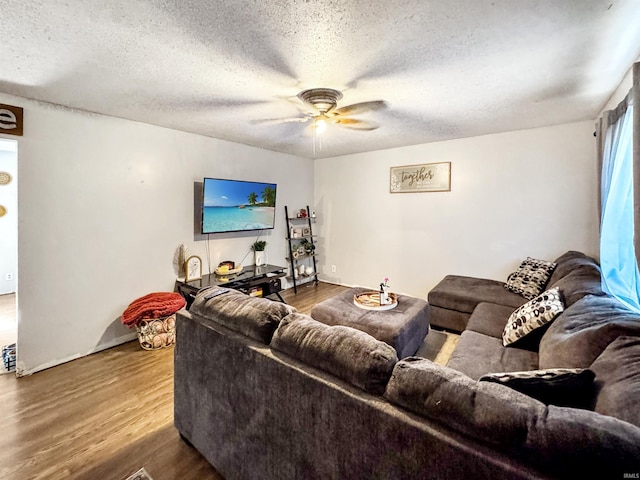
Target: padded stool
x=404 y=327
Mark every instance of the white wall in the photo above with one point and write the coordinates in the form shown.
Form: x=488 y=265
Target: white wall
x=623 y=89
x=9 y=222
x=517 y=194
x=104 y=202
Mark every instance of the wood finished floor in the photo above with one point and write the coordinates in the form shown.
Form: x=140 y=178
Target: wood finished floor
x=105 y=416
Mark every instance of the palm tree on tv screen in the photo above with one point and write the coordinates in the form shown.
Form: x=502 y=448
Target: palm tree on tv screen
x=269 y=196
x=252 y=198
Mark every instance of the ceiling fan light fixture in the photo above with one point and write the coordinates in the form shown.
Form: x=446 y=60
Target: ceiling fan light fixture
x=320 y=124
x=322 y=99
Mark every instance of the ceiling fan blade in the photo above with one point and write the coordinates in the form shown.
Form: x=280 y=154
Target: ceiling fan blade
x=361 y=107
x=276 y=121
x=355 y=124
x=303 y=107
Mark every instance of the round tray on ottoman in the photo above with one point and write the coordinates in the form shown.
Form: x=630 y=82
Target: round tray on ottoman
x=371 y=301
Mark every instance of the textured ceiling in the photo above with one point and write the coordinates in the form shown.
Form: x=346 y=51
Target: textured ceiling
x=448 y=69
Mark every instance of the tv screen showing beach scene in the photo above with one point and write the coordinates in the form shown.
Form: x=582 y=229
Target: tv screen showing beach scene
x=235 y=206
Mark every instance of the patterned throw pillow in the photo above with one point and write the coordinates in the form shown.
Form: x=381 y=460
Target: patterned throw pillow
x=532 y=315
x=570 y=387
x=530 y=278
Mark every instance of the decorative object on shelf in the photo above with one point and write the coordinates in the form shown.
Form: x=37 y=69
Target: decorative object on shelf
x=307 y=246
x=306 y=231
x=313 y=215
x=308 y=270
x=428 y=177
x=226 y=265
x=154 y=318
x=296 y=232
x=193 y=267
x=227 y=268
x=259 y=254
x=384 y=292
x=296 y=254
x=301 y=269
x=371 y=301
x=255 y=291
x=179 y=258
x=5 y=178
x=302 y=213
x=3 y=211
x=301 y=250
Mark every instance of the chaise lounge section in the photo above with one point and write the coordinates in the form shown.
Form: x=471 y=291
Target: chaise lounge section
x=455 y=298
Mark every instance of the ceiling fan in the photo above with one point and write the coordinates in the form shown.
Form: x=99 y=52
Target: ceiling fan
x=324 y=102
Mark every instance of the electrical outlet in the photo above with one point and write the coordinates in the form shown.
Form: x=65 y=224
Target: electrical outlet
x=333 y=269
x=8 y=277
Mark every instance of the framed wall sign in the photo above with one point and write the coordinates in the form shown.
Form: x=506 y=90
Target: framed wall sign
x=11 y=119
x=426 y=177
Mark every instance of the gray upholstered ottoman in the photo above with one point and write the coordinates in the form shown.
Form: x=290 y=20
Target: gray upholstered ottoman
x=404 y=327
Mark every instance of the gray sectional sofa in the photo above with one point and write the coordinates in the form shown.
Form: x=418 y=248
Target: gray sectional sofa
x=263 y=392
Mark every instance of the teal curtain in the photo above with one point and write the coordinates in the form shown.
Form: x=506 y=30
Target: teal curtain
x=621 y=277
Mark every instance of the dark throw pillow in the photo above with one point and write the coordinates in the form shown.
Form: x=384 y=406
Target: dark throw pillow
x=530 y=278
x=532 y=315
x=565 y=387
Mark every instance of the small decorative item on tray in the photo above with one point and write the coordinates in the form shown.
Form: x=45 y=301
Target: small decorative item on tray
x=371 y=301
x=228 y=268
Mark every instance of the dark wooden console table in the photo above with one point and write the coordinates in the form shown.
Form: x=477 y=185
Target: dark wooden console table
x=260 y=281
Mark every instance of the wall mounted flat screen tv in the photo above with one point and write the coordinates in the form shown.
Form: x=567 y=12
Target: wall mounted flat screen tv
x=237 y=206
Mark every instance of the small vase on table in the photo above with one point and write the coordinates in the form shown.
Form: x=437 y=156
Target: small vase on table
x=384 y=292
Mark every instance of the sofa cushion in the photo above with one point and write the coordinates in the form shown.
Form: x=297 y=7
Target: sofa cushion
x=578 y=336
x=483 y=410
x=465 y=293
x=489 y=319
x=252 y=316
x=569 y=262
x=477 y=354
x=530 y=278
x=446 y=318
x=532 y=315
x=577 y=443
x=345 y=352
x=576 y=275
x=618 y=380
x=568 y=387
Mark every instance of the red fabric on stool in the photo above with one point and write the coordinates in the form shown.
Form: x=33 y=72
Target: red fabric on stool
x=153 y=305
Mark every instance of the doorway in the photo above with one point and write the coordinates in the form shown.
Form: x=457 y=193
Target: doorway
x=8 y=243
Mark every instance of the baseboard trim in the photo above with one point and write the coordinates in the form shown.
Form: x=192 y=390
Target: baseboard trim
x=21 y=371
